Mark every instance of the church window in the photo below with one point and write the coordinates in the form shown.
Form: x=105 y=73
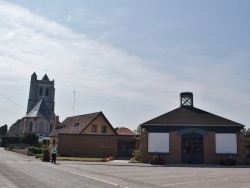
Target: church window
x=30 y=126
x=50 y=127
x=41 y=127
x=41 y=91
x=47 y=92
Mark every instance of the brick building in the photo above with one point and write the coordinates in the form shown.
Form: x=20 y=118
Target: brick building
x=91 y=135
x=191 y=135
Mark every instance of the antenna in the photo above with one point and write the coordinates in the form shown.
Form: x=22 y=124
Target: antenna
x=74 y=104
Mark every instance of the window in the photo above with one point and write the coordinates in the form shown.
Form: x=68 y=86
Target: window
x=104 y=129
x=50 y=127
x=41 y=127
x=76 y=125
x=47 y=92
x=226 y=143
x=94 y=128
x=30 y=126
x=41 y=91
x=158 y=142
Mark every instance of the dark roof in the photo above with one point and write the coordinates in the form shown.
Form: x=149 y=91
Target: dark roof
x=190 y=116
x=70 y=127
x=41 y=110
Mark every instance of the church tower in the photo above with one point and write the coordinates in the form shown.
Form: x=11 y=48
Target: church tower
x=41 y=89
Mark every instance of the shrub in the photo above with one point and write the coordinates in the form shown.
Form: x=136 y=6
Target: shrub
x=39 y=156
x=46 y=155
x=9 y=140
x=137 y=155
x=30 y=138
x=228 y=160
x=34 y=150
x=157 y=160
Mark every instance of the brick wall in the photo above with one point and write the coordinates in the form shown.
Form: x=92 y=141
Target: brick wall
x=90 y=145
x=210 y=156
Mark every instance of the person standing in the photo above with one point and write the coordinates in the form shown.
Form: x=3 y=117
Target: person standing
x=53 y=154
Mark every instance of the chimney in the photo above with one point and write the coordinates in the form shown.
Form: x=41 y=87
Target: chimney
x=57 y=122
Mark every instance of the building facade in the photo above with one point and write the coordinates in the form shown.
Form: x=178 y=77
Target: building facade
x=191 y=135
x=91 y=135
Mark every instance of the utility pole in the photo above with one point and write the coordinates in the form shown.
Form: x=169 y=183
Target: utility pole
x=74 y=104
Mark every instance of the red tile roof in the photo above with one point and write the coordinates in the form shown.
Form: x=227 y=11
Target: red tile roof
x=124 y=131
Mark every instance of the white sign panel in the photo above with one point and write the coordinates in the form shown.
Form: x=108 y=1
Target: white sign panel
x=226 y=143
x=158 y=142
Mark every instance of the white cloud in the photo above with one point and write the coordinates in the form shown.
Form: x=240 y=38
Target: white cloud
x=106 y=78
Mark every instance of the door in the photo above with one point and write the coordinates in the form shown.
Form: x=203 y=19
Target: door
x=125 y=149
x=192 y=148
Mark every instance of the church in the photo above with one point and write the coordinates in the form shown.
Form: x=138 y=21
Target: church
x=40 y=115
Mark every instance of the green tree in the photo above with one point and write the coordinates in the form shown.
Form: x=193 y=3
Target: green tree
x=30 y=138
x=3 y=130
x=246 y=132
x=138 y=129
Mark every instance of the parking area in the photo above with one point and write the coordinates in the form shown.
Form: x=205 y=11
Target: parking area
x=163 y=176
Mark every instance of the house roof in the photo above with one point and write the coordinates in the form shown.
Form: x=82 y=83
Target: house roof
x=76 y=124
x=190 y=116
x=41 y=110
x=124 y=131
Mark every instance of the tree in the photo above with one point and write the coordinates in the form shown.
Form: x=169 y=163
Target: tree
x=3 y=130
x=30 y=138
x=138 y=129
x=246 y=132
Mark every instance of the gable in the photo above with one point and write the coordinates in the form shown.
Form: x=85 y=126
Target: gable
x=82 y=125
x=97 y=126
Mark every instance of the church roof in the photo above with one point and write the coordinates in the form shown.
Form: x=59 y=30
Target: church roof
x=190 y=116
x=41 y=110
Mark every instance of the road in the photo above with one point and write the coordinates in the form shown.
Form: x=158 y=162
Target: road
x=17 y=170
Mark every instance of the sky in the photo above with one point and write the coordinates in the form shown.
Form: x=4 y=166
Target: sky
x=129 y=59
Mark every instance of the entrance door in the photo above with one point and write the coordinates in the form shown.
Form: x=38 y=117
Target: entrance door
x=125 y=149
x=192 y=148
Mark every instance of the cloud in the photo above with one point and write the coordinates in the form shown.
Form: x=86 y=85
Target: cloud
x=107 y=78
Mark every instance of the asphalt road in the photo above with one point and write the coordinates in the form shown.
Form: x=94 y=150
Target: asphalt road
x=18 y=170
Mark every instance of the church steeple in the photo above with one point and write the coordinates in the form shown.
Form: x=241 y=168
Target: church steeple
x=33 y=76
x=45 y=77
x=40 y=89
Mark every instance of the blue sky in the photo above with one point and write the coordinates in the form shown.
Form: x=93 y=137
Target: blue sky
x=129 y=59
